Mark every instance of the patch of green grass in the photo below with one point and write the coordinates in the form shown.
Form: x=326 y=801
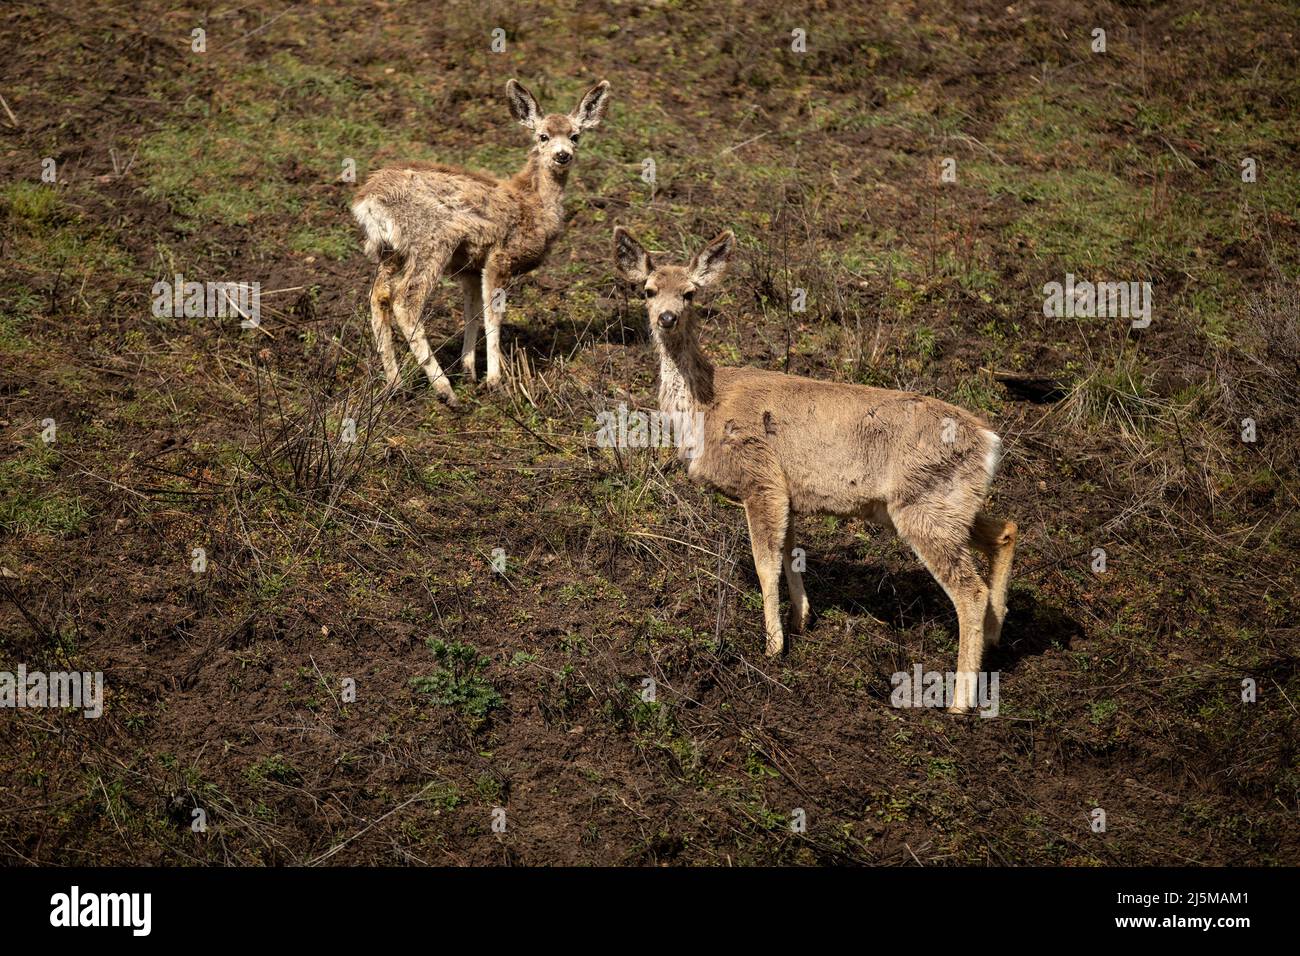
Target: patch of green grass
x=336 y=243
x=273 y=768
x=216 y=172
x=1210 y=311
x=971 y=274
x=758 y=768
x=280 y=122
x=34 y=202
x=29 y=502
x=1119 y=394
x=941 y=768
x=295 y=79
x=879 y=254
x=977 y=393
x=1040 y=123
x=1083 y=216
x=459 y=680
x=46 y=237
x=443 y=796
x=923 y=342
x=488 y=788
x=1102 y=710
x=13 y=323
x=437 y=478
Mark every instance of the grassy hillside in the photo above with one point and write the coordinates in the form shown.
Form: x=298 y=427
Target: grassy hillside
x=372 y=562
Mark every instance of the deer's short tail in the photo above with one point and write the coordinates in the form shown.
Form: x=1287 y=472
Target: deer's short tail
x=992 y=457
x=380 y=229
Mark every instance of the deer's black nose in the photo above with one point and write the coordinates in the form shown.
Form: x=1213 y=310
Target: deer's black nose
x=563 y=158
x=667 y=319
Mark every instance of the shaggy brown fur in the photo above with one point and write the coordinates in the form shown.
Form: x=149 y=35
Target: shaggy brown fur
x=786 y=445
x=426 y=220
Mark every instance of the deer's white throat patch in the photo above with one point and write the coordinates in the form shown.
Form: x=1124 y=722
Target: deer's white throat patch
x=678 y=396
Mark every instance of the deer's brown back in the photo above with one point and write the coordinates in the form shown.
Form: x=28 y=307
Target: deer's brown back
x=835 y=448
x=466 y=215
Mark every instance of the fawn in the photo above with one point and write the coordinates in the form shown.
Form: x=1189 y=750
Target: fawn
x=785 y=445
x=424 y=220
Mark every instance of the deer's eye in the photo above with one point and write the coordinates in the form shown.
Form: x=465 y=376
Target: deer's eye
x=542 y=137
x=689 y=295
x=574 y=139
x=650 y=293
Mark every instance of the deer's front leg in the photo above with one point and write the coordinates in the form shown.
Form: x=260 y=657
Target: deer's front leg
x=767 y=515
x=494 y=310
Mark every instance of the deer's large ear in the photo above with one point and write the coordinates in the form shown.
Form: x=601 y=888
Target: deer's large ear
x=592 y=107
x=711 y=262
x=630 y=257
x=522 y=105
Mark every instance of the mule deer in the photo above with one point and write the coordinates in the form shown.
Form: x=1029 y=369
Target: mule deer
x=424 y=220
x=785 y=445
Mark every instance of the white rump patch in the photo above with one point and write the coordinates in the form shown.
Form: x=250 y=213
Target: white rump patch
x=380 y=230
x=992 y=457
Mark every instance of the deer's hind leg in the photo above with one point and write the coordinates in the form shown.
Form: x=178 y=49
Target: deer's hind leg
x=494 y=309
x=413 y=288
x=997 y=540
x=381 y=320
x=471 y=286
x=768 y=513
x=799 y=608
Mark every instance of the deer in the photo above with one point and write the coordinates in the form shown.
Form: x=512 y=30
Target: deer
x=784 y=445
x=426 y=220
